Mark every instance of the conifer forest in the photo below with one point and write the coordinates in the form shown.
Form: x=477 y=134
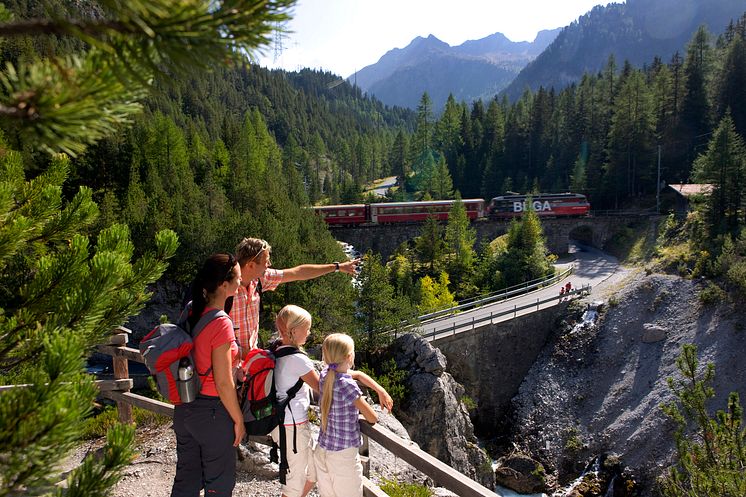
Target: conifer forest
x=129 y=155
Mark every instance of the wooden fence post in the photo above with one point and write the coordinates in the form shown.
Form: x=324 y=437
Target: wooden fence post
x=121 y=372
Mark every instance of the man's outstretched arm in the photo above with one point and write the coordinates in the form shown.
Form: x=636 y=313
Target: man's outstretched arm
x=311 y=271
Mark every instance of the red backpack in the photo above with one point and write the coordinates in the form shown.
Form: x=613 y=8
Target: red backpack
x=257 y=396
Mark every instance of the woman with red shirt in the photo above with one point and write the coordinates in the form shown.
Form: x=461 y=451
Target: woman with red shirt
x=208 y=428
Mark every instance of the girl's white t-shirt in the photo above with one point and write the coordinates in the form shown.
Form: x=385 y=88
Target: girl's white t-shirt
x=287 y=371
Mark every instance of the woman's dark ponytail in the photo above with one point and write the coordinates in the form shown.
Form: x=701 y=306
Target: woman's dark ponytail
x=216 y=269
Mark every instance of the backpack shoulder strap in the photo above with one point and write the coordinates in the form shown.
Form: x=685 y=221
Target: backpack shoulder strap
x=286 y=351
x=294 y=389
x=206 y=319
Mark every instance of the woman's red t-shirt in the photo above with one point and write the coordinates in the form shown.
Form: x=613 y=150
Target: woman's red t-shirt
x=218 y=332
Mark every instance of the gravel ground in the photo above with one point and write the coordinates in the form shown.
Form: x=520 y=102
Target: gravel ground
x=151 y=473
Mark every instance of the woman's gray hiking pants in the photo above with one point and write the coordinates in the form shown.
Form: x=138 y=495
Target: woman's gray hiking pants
x=205 y=456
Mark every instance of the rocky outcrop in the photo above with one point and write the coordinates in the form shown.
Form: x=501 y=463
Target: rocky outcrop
x=599 y=390
x=166 y=300
x=433 y=413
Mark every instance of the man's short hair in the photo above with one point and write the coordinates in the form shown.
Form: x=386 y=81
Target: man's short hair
x=249 y=249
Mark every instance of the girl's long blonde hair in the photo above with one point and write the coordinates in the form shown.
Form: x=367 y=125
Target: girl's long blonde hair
x=336 y=349
x=290 y=318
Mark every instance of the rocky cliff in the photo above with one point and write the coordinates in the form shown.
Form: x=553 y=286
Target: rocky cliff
x=433 y=413
x=596 y=391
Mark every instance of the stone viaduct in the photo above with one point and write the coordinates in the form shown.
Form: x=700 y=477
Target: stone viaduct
x=491 y=361
x=384 y=239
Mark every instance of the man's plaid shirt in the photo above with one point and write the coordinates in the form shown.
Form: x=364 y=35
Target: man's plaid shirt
x=245 y=310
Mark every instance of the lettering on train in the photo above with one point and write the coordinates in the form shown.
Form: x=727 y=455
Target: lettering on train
x=536 y=205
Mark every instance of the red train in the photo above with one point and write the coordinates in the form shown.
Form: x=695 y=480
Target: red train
x=505 y=206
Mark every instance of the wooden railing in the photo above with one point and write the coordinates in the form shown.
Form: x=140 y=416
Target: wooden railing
x=441 y=474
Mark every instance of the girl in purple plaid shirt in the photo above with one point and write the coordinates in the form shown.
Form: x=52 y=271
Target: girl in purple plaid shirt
x=338 y=469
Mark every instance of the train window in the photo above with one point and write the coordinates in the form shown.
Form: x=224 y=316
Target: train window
x=351 y=213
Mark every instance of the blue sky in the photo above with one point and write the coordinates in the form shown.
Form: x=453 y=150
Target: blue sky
x=343 y=36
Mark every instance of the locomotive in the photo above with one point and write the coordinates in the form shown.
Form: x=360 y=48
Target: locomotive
x=501 y=207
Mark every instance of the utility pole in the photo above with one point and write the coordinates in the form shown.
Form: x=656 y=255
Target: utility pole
x=658 y=185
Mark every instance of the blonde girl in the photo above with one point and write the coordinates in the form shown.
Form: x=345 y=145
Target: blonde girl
x=338 y=467
x=294 y=324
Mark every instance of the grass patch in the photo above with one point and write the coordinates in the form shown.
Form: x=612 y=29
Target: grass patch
x=573 y=443
x=98 y=425
x=396 y=489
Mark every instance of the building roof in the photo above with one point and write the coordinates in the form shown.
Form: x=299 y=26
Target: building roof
x=691 y=189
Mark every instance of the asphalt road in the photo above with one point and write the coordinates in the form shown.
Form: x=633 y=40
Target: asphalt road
x=591 y=267
x=382 y=186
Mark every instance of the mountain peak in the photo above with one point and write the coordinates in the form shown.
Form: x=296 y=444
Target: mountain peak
x=474 y=69
x=431 y=42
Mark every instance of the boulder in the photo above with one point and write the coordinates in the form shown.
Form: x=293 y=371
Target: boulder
x=653 y=333
x=521 y=473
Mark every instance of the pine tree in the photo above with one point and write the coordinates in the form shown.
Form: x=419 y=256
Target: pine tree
x=711 y=449
x=526 y=257
x=59 y=295
x=64 y=288
x=632 y=138
x=447 y=136
x=130 y=43
x=494 y=138
x=422 y=140
x=724 y=166
x=398 y=158
x=380 y=309
x=401 y=275
x=578 y=178
x=430 y=245
x=696 y=107
x=442 y=188
x=731 y=87
x=460 y=238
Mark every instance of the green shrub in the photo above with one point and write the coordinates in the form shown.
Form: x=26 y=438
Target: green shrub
x=391 y=378
x=712 y=294
x=396 y=489
x=469 y=402
x=736 y=276
x=573 y=443
x=540 y=472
